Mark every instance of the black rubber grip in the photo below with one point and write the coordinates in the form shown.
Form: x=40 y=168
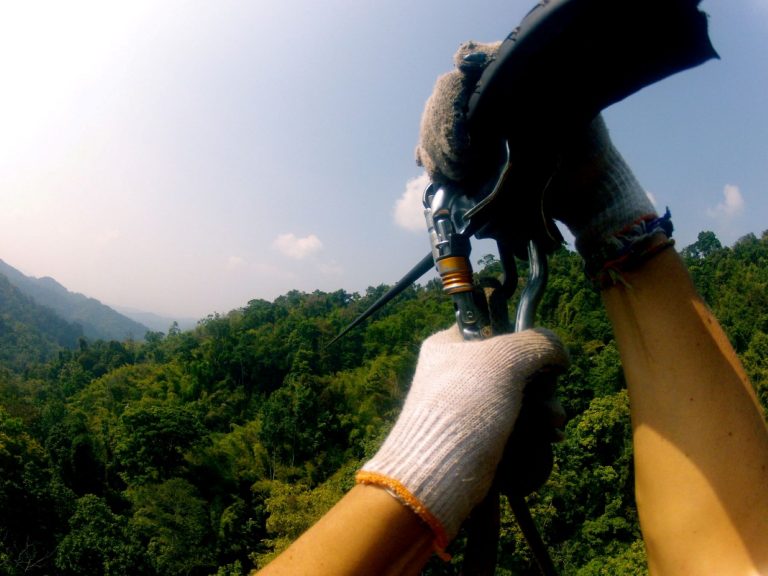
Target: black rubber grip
x=570 y=59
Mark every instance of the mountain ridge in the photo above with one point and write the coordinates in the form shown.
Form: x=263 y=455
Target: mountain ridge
x=98 y=321
x=31 y=333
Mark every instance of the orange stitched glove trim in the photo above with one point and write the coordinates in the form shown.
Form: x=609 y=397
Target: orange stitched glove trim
x=408 y=499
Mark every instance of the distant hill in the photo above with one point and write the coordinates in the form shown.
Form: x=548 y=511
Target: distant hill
x=99 y=322
x=29 y=332
x=155 y=321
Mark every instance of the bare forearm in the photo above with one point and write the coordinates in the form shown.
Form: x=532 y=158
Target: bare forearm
x=367 y=532
x=701 y=446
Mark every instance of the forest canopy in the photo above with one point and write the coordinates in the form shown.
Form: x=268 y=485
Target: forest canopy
x=206 y=452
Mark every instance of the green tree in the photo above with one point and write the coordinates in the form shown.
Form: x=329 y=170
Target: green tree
x=153 y=438
x=592 y=487
x=98 y=543
x=171 y=522
x=33 y=503
x=300 y=421
x=292 y=508
x=76 y=455
x=706 y=244
x=756 y=364
x=630 y=561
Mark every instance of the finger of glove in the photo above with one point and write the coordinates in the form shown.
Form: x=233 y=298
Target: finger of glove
x=522 y=355
x=450 y=335
x=519 y=355
x=549 y=344
x=473 y=57
x=443 y=139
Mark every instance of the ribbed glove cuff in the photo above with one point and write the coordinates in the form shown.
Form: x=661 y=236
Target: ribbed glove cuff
x=428 y=457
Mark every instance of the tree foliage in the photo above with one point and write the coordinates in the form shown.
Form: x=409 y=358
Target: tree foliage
x=207 y=452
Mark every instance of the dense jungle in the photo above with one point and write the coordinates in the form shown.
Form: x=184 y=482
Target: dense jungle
x=206 y=452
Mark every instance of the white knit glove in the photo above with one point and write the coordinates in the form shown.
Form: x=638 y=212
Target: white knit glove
x=441 y=456
x=594 y=192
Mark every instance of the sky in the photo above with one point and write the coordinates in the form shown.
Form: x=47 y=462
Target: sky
x=185 y=157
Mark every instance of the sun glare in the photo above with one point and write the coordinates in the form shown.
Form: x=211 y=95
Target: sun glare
x=50 y=53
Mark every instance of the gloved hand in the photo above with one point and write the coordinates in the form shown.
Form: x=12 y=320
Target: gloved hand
x=593 y=191
x=597 y=196
x=441 y=456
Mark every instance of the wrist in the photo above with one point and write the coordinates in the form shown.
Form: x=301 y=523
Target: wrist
x=440 y=463
x=628 y=249
x=406 y=498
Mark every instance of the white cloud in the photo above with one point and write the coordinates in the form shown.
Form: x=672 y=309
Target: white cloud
x=731 y=207
x=409 y=210
x=297 y=248
x=235 y=262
